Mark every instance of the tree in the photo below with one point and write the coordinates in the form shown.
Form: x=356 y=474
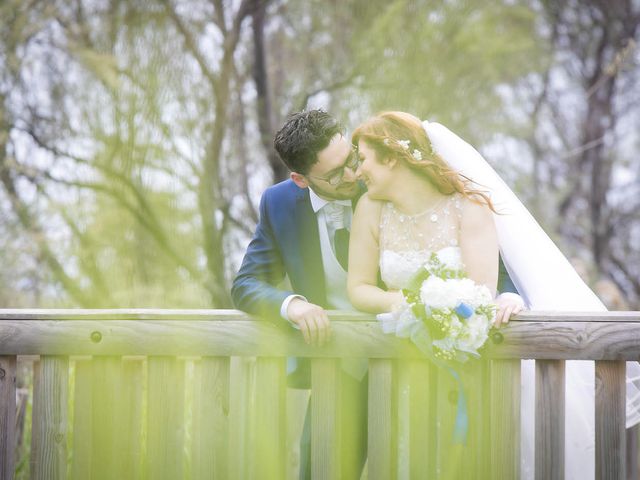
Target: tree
x=137 y=136
x=583 y=109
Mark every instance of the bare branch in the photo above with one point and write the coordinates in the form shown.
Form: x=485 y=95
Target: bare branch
x=190 y=43
x=337 y=85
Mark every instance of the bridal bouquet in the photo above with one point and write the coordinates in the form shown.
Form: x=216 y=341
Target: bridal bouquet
x=445 y=314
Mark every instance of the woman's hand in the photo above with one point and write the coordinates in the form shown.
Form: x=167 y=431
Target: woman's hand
x=397 y=299
x=508 y=304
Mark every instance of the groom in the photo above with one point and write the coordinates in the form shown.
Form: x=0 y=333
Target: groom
x=303 y=233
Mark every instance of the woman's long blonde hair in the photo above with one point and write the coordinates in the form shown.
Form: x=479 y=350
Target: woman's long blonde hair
x=387 y=132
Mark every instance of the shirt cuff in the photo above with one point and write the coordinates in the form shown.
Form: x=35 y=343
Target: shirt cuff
x=513 y=296
x=285 y=306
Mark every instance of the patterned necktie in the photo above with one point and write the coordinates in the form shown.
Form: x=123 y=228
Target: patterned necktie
x=341 y=243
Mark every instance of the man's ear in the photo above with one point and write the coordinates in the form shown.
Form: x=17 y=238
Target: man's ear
x=299 y=180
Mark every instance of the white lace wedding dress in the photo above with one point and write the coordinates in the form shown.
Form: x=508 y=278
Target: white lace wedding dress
x=406 y=243
x=547 y=282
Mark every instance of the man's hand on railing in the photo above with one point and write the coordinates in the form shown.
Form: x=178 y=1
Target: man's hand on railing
x=508 y=304
x=311 y=319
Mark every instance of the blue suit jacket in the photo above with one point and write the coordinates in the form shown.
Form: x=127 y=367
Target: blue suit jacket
x=286 y=241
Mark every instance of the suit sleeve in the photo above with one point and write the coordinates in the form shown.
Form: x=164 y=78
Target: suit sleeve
x=254 y=287
x=505 y=284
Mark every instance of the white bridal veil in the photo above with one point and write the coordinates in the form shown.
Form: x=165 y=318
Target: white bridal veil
x=546 y=281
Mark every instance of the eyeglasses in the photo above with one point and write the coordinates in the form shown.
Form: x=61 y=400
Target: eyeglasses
x=352 y=162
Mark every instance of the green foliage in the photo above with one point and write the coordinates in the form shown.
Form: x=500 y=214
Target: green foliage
x=146 y=186
x=444 y=60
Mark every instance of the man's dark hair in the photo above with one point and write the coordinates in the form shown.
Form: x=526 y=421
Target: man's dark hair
x=304 y=135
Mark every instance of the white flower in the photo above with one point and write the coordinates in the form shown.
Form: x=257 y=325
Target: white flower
x=386 y=142
x=417 y=154
x=456 y=327
x=440 y=293
x=481 y=296
x=404 y=144
x=474 y=334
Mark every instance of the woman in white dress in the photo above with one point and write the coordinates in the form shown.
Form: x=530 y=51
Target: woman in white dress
x=429 y=191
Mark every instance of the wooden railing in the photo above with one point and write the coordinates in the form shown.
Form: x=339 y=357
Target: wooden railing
x=202 y=394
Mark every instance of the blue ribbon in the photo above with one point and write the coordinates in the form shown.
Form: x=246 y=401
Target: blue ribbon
x=461 y=426
x=464 y=310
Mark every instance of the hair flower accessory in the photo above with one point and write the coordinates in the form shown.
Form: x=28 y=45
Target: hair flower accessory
x=404 y=144
x=417 y=154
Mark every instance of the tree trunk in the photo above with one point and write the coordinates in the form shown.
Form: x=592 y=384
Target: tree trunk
x=261 y=79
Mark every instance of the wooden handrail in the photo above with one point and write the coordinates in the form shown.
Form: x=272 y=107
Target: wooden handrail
x=226 y=314
x=112 y=352
x=566 y=336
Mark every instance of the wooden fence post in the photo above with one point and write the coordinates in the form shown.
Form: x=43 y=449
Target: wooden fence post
x=165 y=418
x=325 y=419
x=211 y=419
x=610 y=420
x=422 y=444
x=381 y=433
x=505 y=412
x=7 y=415
x=268 y=460
x=549 y=436
x=49 y=419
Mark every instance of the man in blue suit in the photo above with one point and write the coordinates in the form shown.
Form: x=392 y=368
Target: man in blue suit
x=293 y=213
x=303 y=234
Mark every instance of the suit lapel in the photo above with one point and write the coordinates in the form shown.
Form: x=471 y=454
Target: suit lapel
x=311 y=256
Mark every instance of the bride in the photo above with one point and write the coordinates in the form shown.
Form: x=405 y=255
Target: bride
x=431 y=192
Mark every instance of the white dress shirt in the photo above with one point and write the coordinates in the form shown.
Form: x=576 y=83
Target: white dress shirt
x=331 y=215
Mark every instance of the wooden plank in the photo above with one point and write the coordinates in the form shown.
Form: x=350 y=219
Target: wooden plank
x=7 y=415
x=484 y=467
x=165 y=418
x=225 y=314
x=150 y=314
x=297 y=407
x=130 y=414
x=107 y=435
x=24 y=396
x=505 y=405
x=549 y=418
x=241 y=395
x=633 y=471
x=449 y=453
x=354 y=418
x=610 y=420
x=49 y=419
x=325 y=419
x=269 y=459
x=82 y=420
x=381 y=428
x=105 y=458
x=210 y=419
x=537 y=340
x=164 y=337
x=567 y=341
x=476 y=450
x=125 y=314
x=401 y=404
x=422 y=420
